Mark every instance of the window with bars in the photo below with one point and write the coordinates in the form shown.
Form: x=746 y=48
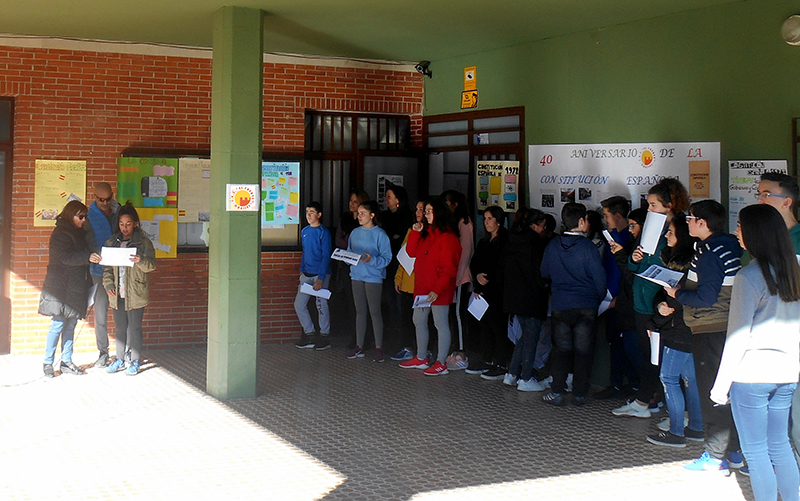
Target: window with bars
x=333 y=142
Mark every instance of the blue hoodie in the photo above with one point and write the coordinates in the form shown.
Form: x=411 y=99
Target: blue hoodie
x=102 y=228
x=573 y=264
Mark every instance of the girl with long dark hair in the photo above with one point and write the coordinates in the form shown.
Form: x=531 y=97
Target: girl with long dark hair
x=759 y=369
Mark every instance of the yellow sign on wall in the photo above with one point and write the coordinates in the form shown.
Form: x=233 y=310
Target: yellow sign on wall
x=160 y=225
x=469 y=99
x=56 y=182
x=470 y=78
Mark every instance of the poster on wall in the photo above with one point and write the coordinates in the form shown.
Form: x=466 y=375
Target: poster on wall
x=148 y=182
x=590 y=173
x=744 y=176
x=56 y=182
x=383 y=181
x=497 y=183
x=160 y=225
x=194 y=190
x=280 y=194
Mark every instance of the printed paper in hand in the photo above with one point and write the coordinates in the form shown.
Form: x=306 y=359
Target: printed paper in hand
x=605 y=304
x=608 y=236
x=308 y=289
x=406 y=261
x=662 y=276
x=477 y=305
x=655 y=347
x=350 y=258
x=420 y=302
x=117 y=256
x=651 y=232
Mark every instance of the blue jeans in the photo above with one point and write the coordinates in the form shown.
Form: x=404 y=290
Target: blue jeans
x=65 y=328
x=677 y=365
x=761 y=414
x=525 y=351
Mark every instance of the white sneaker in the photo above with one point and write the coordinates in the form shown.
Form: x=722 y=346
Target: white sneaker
x=632 y=409
x=664 y=424
x=532 y=385
x=569 y=382
x=510 y=379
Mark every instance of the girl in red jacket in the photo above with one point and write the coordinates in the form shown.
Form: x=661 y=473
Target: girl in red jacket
x=434 y=243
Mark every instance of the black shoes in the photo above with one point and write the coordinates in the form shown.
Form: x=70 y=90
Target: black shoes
x=102 y=360
x=48 y=370
x=306 y=341
x=554 y=398
x=611 y=392
x=494 y=372
x=71 y=368
x=323 y=343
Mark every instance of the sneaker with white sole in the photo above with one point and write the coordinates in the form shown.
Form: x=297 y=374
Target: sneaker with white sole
x=116 y=366
x=357 y=352
x=415 y=363
x=510 y=379
x=667 y=438
x=663 y=425
x=437 y=369
x=707 y=463
x=532 y=385
x=735 y=459
x=632 y=409
x=404 y=354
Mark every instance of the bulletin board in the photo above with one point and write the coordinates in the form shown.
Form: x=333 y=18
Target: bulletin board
x=56 y=182
x=743 y=179
x=148 y=182
x=194 y=190
x=498 y=184
x=160 y=225
x=280 y=194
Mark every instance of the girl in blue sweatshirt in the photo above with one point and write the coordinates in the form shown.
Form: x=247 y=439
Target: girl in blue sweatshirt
x=367 y=276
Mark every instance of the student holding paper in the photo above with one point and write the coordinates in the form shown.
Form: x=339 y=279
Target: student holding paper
x=437 y=250
x=706 y=299
x=404 y=287
x=128 y=290
x=367 y=276
x=677 y=362
x=668 y=197
x=486 y=267
x=315 y=270
x=65 y=293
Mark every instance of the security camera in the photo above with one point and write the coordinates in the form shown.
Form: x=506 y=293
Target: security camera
x=422 y=68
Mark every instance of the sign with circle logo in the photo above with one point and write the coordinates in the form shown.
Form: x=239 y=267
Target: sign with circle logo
x=243 y=197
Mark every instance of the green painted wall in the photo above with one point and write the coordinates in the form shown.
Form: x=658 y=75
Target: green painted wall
x=714 y=74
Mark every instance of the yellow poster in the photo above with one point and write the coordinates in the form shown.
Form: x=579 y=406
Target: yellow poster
x=160 y=225
x=56 y=182
x=194 y=190
x=497 y=184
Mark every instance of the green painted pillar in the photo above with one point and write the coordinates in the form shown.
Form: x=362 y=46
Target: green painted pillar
x=234 y=252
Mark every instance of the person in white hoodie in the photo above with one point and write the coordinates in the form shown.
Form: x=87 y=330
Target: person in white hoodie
x=760 y=363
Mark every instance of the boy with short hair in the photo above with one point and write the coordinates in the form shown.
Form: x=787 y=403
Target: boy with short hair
x=315 y=270
x=706 y=298
x=573 y=264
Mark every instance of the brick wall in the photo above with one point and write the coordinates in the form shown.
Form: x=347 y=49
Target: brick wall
x=95 y=105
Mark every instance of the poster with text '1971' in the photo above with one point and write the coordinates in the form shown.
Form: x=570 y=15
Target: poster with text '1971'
x=590 y=173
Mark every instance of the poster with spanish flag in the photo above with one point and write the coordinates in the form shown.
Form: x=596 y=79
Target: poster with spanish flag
x=56 y=182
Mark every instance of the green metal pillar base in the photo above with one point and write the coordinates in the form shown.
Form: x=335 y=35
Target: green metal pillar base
x=234 y=252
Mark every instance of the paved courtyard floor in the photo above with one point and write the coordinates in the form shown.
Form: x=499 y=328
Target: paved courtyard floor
x=323 y=427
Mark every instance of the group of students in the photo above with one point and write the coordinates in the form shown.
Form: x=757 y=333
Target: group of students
x=74 y=270
x=729 y=352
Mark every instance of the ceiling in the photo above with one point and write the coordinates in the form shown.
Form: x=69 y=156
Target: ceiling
x=410 y=30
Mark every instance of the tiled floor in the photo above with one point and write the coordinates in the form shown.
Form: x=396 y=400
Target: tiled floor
x=323 y=427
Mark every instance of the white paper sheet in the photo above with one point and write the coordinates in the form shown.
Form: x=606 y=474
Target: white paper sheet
x=605 y=304
x=419 y=302
x=308 y=289
x=477 y=305
x=406 y=261
x=350 y=258
x=608 y=236
x=655 y=347
x=651 y=232
x=117 y=256
x=662 y=276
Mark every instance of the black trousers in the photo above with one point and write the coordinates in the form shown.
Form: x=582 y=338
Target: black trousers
x=573 y=346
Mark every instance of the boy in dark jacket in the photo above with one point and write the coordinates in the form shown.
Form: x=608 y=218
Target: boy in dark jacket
x=572 y=263
x=706 y=298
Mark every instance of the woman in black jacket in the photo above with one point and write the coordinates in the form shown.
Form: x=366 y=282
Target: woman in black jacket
x=486 y=266
x=65 y=294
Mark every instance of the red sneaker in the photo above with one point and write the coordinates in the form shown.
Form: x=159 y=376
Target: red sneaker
x=415 y=363
x=437 y=369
